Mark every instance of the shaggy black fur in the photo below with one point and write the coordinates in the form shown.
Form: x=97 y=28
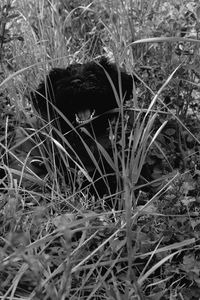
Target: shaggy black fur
x=81 y=92
x=82 y=89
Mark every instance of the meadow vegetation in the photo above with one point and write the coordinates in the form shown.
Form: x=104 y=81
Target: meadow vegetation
x=56 y=240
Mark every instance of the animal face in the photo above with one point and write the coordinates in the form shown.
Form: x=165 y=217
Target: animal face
x=81 y=92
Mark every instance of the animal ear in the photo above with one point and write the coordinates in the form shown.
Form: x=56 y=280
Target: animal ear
x=107 y=65
x=112 y=70
x=104 y=61
x=111 y=67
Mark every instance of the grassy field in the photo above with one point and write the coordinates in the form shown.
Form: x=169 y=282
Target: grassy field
x=56 y=240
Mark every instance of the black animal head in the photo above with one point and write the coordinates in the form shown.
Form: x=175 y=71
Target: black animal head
x=81 y=91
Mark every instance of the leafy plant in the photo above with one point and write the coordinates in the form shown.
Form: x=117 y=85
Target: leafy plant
x=57 y=241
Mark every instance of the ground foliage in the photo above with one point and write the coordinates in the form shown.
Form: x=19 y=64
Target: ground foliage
x=59 y=242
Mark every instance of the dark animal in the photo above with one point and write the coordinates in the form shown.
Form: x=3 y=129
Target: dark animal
x=81 y=98
x=82 y=91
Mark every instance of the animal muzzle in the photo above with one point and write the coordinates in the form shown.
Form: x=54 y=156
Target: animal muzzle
x=84 y=115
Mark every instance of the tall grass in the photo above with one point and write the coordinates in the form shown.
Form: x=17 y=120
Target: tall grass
x=57 y=241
